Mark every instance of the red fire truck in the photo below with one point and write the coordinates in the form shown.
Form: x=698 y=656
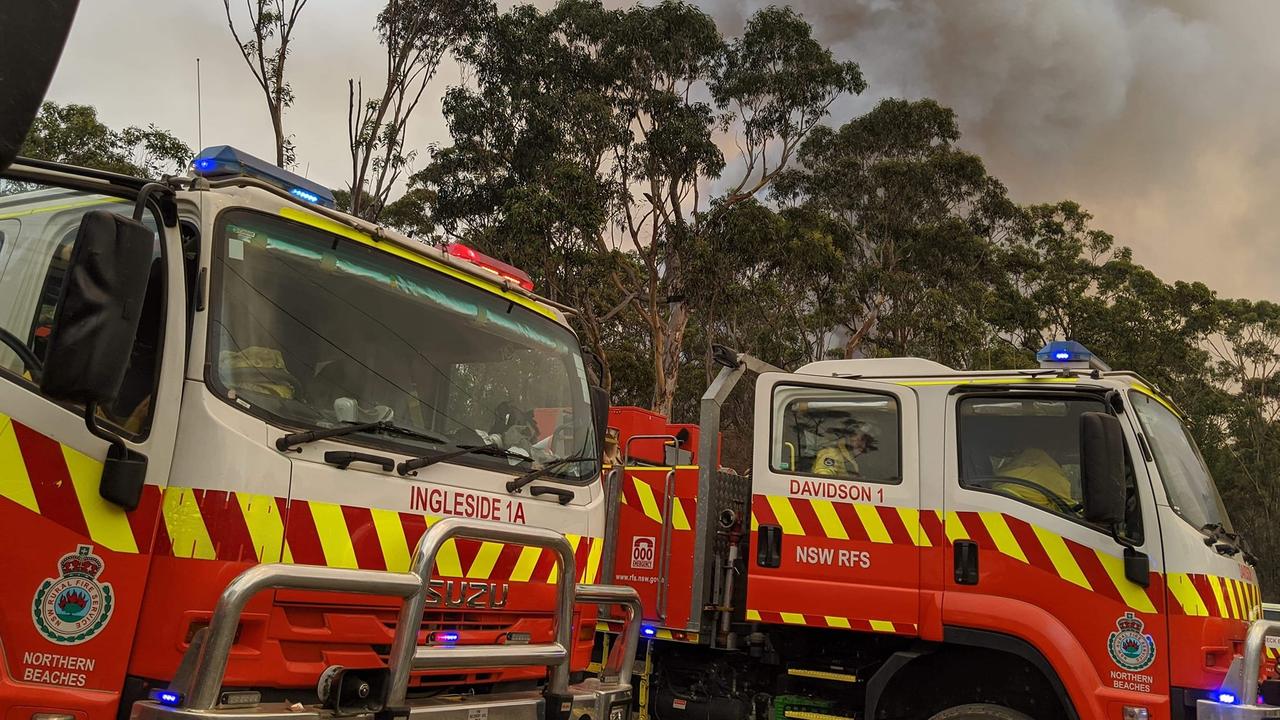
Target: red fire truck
x=258 y=456
x=913 y=541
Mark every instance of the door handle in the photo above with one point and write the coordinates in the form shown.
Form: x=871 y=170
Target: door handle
x=769 y=546
x=966 y=562
x=343 y=459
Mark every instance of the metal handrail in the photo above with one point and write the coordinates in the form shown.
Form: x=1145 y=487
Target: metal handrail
x=664 y=560
x=212 y=664
x=612 y=502
x=212 y=655
x=626 y=447
x=1254 y=643
x=621 y=656
x=404 y=649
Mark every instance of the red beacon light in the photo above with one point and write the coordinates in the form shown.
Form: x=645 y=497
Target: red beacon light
x=503 y=270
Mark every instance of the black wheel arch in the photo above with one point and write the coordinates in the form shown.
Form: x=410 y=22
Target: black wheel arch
x=880 y=687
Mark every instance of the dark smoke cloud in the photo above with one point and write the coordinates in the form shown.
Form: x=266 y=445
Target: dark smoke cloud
x=1163 y=119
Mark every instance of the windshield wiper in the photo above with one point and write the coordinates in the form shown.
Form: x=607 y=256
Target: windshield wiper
x=408 y=466
x=1217 y=536
x=516 y=483
x=285 y=442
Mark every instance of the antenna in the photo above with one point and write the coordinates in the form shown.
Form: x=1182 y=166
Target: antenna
x=199 y=110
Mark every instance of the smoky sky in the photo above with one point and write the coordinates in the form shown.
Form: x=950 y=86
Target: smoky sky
x=1161 y=118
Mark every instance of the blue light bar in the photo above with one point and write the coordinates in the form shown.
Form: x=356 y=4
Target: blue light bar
x=445 y=637
x=168 y=698
x=308 y=196
x=1226 y=698
x=1068 y=354
x=224 y=161
x=648 y=631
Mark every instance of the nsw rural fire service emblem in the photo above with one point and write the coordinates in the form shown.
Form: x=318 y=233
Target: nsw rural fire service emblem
x=1129 y=647
x=73 y=607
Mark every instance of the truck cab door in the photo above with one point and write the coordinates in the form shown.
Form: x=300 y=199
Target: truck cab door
x=1024 y=563
x=77 y=548
x=835 y=528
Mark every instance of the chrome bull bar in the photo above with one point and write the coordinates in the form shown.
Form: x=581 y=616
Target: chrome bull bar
x=197 y=687
x=1238 y=697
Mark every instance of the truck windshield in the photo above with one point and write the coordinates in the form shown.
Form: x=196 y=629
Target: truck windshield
x=1192 y=492
x=314 y=330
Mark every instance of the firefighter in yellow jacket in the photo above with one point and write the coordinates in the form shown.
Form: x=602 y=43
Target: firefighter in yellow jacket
x=839 y=459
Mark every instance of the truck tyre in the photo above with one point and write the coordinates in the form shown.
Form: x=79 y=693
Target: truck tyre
x=979 y=711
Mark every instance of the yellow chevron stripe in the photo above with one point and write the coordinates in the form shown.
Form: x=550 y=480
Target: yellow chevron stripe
x=395 y=546
x=1217 y=595
x=881 y=625
x=266 y=527
x=1184 y=591
x=911 y=519
x=335 y=540
x=486 y=557
x=954 y=526
x=525 y=564
x=1232 y=598
x=755 y=523
x=186 y=526
x=1056 y=548
x=575 y=541
x=792 y=618
x=872 y=523
x=1134 y=596
x=831 y=524
x=648 y=503
x=108 y=523
x=1002 y=535
x=15 y=483
x=837 y=622
x=679 y=520
x=785 y=514
x=753 y=616
x=593 y=560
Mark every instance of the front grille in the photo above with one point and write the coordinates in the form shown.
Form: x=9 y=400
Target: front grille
x=322 y=634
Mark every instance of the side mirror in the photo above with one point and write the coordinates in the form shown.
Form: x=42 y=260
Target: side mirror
x=600 y=414
x=98 y=309
x=1102 y=462
x=94 y=327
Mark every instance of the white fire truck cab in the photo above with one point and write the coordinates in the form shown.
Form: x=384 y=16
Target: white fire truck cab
x=916 y=541
x=249 y=442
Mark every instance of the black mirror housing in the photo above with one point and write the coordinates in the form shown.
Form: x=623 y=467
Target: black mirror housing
x=600 y=414
x=98 y=309
x=1102 y=468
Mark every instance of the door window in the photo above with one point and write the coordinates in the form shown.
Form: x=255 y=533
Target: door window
x=1028 y=448
x=836 y=433
x=40 y=223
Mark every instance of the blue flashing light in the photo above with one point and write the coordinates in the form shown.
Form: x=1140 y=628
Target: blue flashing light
x=445 y=637
x=224 y=161
x=648 y=631
x=1069 y=353
x=1226 y=698
x=168 y=698
x=305 y=195
x=1064 y=351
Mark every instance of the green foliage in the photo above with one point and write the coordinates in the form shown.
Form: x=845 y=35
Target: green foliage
x=73 y=134
x=585 y=146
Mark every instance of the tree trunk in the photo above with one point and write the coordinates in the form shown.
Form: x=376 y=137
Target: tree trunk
x=666 y=375
x=277 y=124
